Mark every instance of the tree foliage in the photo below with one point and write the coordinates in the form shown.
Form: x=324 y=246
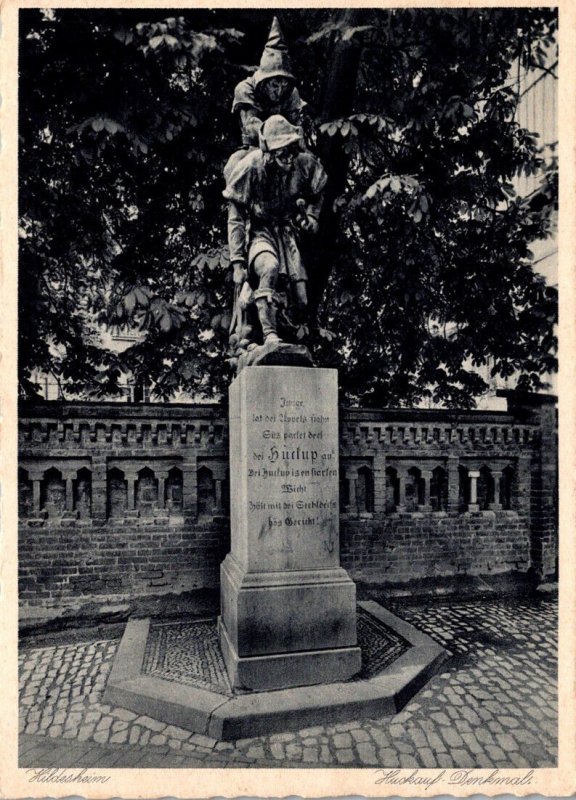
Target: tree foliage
x=422 y=262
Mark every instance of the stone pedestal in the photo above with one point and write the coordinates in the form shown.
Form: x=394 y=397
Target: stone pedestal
x=288 y=610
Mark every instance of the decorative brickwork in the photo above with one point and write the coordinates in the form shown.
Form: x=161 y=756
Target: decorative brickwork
x=455 y=493
x=117 y=500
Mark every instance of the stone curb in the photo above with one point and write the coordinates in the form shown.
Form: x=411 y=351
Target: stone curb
x=259 y=713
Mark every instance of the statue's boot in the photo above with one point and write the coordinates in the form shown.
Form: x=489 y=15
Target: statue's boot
x=266 y=306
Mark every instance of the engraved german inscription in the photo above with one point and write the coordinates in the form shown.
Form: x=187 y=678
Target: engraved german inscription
x=293 y=478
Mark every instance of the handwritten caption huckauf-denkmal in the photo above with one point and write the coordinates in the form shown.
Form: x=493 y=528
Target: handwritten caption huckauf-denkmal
x=59 y=775
x=458 y=777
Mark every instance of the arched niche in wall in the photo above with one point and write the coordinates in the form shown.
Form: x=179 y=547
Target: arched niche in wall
x=365 y=490
x=25 y=504
x=53 y=492
x=439 y=489
x=146 y=492
x=506 y=487
x=485 y=488
x=83 y=493
x=117 y=498
x=174 y=491
x=206 y=492
x=392 y=489
x=415 y=490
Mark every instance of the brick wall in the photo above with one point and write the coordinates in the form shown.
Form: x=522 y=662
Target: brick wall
x=541 y=410
x=123 y=500
x=59 y=564
x=404 y=547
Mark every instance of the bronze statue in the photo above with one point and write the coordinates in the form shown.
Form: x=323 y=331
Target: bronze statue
x=274 y=188
x=275 y=194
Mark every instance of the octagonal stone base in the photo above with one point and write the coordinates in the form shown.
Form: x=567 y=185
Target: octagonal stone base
x=230 y=715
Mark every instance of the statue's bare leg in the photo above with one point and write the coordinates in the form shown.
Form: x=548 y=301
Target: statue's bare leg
x=266 y=268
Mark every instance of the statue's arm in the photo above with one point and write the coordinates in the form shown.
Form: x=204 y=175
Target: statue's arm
x=315 y=198
x=313 y=209
x=310 y=206
x=249 y=112
x=237 y=240
x=250 y=123
x=307 y=216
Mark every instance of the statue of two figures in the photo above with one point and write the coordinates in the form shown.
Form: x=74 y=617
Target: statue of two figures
x=274 y=188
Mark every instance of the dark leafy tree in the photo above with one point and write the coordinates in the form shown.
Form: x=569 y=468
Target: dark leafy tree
x=422 y=268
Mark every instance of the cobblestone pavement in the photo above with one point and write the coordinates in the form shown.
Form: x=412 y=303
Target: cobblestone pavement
x=493 y=705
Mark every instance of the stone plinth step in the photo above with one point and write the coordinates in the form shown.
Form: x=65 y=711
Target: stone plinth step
x=138 y=683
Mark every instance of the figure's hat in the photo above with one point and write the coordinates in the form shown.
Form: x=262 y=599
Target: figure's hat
x=275 y=61
x=277 y=132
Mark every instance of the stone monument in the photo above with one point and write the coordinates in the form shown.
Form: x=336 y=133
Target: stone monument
x=288 y=617
x=288 y=609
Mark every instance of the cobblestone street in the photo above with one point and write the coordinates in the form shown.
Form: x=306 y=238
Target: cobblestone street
x=493 y=705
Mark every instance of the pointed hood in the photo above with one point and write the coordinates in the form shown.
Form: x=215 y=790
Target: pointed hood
x=275 y=61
